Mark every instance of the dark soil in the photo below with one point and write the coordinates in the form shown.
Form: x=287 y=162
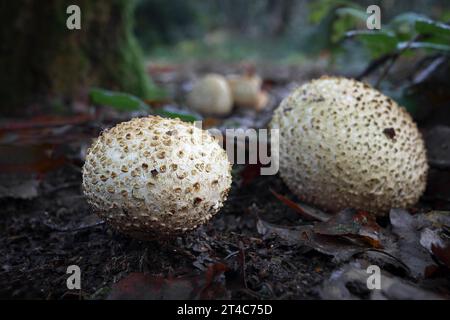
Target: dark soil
x=40 y=238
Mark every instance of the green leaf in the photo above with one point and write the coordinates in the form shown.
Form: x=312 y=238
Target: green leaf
x=346 y=19
x=320 y=8
x=433 y=28
x=117 y=100
x=424 y=45
x=408 y=18
x=127 y=102
x=330 y=26
x=170 y=114
x=157 y=93
x=320 y=37
x=378 y=42
x=404 y=24
x=353 y=12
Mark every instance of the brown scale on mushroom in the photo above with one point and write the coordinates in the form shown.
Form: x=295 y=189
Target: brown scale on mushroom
x=139 y=189
x=353 y=147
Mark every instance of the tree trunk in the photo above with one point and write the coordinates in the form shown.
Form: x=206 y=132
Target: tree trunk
x=41 y=59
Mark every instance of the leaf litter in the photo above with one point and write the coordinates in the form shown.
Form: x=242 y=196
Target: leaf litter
x=411 y=246
x=140 y=286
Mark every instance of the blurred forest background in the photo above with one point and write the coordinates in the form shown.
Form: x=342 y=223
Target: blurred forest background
x=285 y=31
x=120 y=41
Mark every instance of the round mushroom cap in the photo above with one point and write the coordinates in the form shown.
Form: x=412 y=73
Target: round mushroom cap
x=211 y=95
x=246 y=91
x=154 y=177
x=344 y=144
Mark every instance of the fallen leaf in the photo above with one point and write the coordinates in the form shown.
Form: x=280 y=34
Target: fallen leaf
x=387 y=262
x=35 y=158
x=350 y=283
x=139 y=286
x=294 y=235
x=305 y=211
x=357 y=225
x=435 y=219
x=18 y=186
x=338 y=248
x=410 y=251
x=430 y=238
x=442 y=253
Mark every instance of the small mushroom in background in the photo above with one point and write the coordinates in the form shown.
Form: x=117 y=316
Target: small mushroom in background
x=246 y=91
x=154 y=177
x=344 y=144
x=211 y=95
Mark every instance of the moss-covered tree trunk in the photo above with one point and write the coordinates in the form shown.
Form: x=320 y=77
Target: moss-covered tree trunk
x=41 y=59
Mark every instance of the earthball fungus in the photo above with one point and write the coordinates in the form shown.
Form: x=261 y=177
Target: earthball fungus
x=154 y=177
x=345 y=144
x=246 y=91
x=211 y=95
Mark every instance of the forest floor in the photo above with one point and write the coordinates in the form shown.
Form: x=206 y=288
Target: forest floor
x=37 y=249
x=260 y=245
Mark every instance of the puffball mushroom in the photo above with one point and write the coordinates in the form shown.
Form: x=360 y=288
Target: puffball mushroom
x=246 y=91
x=344 y=144
x=211 y=95
x=154 y=177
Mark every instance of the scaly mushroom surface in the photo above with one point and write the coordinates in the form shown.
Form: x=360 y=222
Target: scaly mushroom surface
x=152 y=177
x=344 y=144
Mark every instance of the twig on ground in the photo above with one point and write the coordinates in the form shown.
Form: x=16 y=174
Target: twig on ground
x=390 y=58
x=231 y=255
x=242 y=263
x=81 y=228
x=66 y=185
x=374 y=65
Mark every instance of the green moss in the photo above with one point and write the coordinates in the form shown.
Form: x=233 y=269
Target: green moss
x=42 y=59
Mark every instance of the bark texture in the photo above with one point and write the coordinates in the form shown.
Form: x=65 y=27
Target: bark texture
x=40 y=59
